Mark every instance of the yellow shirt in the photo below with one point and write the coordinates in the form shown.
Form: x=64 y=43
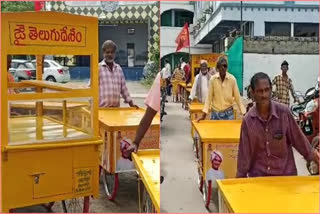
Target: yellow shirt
x=221 y=95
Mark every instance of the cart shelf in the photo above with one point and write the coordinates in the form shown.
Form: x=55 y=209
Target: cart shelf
x=148 y=165
x=23 y=130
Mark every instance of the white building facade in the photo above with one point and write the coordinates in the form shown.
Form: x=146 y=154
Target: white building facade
x=273 y=31
x=174 y=14
x=213 y=20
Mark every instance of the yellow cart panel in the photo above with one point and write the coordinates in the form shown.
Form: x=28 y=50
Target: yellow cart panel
x=46 y=156
x=184 y=85
x=176 y=92
x=118 y=125
x=148 y=165
x=38 y=179
x=287 y=194
x=222 y=136
x=211 y=58
x=184 y=90
x=195 y=111
x=123 y=118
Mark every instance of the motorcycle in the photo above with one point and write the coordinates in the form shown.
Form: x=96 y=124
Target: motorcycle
x=311 y=94
x=309 y=124
x=308 y=120
x=249 y=97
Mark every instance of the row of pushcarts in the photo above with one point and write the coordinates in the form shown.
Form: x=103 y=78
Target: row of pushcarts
x=215 y=145
x=224 y=193
x=56 y=143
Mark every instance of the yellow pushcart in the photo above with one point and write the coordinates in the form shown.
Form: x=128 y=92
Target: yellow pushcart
x=286 y=194
x=118 y=128
x=147 y=163
x=45 y=156
x=176 y=95
x=195 y=111
x=185 y=91
x=211 y=58
x=218 y=151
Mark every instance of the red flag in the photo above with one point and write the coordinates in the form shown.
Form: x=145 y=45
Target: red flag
x=38 y=5
x=183 y=38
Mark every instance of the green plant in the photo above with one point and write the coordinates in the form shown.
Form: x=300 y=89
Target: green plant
x=15 y=6
x=154 y=64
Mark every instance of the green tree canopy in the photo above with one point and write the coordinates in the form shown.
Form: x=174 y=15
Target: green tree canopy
x=16 y=6
x=154 y=68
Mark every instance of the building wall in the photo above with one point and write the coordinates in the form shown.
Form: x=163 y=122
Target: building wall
x=176 y=18
x=126 y=13
x=119 y=34
x=201 y=5
x=260 y=16
x=303 y=69
x=257 y=12
x=282 y=45
x=181 y=5
x=169 y=34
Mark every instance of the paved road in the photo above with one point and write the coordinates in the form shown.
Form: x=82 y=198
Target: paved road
x=179 y=191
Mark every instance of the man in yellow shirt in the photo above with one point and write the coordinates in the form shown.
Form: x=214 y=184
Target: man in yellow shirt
x=223 y=91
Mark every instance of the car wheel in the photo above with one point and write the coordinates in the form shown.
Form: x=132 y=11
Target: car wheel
x=51 y=79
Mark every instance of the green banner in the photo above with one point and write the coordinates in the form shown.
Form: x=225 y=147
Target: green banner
x=235 y=61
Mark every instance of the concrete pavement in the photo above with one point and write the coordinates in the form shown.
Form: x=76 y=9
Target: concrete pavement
x=179 y=191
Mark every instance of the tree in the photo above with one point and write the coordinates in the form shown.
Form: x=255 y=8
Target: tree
x=153 y=69
x=17 y=6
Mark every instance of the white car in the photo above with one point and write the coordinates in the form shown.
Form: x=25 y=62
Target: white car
x=53 y=71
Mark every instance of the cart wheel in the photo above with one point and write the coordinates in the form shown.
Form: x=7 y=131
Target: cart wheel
x=207 y=193
x=147 y=206
x=76 y=205
x=100 y=169
x=48 y=206
x=161 y=179
x=111 y=184
x=195 y=147
x=312 y=166
x=200 y=183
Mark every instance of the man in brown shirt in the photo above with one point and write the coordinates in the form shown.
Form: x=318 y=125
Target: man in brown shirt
x=268 y=133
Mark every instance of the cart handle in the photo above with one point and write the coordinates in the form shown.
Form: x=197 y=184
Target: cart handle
x=51 y=145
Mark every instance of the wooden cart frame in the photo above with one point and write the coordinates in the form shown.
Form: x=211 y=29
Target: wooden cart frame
x=125 y=121
x=53 y=170
x=147 y=163
x=217 y=135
